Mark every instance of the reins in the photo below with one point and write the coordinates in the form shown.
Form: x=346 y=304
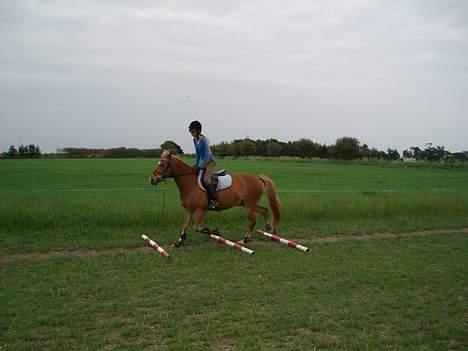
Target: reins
x=163 y=176
x=184 y=174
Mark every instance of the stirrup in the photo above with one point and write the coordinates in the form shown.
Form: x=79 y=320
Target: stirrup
x=213 y=205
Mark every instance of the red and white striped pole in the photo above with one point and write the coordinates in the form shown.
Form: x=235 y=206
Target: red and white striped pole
x=284 y=241
x=230 y=243
x=155 y=246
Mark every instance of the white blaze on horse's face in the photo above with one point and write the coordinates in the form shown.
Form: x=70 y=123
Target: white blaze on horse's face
x=158 y=174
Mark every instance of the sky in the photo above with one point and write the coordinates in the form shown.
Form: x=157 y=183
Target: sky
x=110 y=73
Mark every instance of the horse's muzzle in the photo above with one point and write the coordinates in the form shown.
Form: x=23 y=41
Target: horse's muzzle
x=155 y=180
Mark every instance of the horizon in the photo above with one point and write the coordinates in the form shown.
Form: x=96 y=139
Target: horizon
x=185 y=152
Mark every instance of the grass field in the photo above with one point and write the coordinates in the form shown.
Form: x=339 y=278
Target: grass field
x=116 y=201
x=407 y=293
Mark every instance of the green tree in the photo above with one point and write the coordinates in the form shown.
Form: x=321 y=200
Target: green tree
x=274 y=149
x=33 y=151
x=377 y=154
x=407 y=154
x=430 y=153
x=22 y=151
x=12 y=152
x=260 y=148
x=323 y=151
x=305 y=148
x=435 y=153
x=170 y=145
x=346 y=148
x=233 y=150
x=417 y=152
x=393 y=154
x=365 y=151
x=222 y=149
x=246 y=147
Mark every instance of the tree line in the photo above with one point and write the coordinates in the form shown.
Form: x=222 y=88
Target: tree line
x=345 y=148
x=118 y=152
x=23 y=151
x=121 y=152
x=33 y=151
x=434 y=153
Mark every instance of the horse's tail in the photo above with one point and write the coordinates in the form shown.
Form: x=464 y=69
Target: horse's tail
x=273 y=199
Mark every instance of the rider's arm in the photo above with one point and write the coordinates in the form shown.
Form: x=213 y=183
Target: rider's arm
x=197 y=159
x=206 y=153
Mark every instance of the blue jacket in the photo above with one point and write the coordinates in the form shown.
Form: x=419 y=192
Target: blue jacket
x=203 y=152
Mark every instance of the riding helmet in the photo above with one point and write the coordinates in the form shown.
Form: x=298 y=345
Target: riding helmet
x=196 y=125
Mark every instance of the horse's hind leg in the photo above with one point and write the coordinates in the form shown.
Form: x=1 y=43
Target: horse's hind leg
x=252 y=221
x=264 y=211
x=199 y=217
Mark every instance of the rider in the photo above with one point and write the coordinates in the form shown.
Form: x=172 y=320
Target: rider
x=207 y=159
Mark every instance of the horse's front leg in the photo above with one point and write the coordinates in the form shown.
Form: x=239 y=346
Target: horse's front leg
x=183 y=235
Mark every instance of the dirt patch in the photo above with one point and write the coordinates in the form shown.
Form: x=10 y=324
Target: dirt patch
x=327 y=338
x=36 y=256
x=226 y=344
x=386 y=235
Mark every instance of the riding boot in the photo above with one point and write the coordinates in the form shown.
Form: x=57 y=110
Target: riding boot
x=212 y=200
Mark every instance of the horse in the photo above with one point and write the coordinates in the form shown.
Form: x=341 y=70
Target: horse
x=246 y=190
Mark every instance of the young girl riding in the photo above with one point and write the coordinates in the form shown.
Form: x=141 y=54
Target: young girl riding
x=205 y=162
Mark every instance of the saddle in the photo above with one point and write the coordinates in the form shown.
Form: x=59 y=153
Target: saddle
x=221 y=179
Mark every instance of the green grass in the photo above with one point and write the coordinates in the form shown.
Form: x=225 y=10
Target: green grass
x=401 y=294
x=396 y=294
x=117 y=203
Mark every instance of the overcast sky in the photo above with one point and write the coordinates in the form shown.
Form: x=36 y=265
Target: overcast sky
x=113 y=73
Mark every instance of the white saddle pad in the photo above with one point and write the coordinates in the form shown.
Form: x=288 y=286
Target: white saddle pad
x=224 y=182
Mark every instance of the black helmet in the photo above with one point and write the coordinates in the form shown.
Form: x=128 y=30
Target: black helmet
x=196 y=125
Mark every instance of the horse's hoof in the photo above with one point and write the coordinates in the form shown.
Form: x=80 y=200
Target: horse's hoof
x=268 y=228
x=181 y=240
x=210 y=231
x=244 y=241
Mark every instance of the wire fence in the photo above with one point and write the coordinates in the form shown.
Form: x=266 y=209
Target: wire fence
x=278 y=190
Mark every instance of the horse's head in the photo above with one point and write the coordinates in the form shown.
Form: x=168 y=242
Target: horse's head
x=163 y=168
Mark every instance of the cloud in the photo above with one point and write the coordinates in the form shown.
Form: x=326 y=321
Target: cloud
x=391 y=73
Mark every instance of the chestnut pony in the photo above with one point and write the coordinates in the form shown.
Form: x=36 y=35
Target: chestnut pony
x=246 y=190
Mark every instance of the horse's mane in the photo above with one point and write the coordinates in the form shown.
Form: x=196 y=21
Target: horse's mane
x=178 y=158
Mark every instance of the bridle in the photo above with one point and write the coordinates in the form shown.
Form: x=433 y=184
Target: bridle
x=161 y=176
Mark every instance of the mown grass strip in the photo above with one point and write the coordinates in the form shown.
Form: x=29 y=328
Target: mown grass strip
x=33 y=256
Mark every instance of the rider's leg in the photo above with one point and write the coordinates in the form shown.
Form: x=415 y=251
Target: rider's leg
x=210 y=188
